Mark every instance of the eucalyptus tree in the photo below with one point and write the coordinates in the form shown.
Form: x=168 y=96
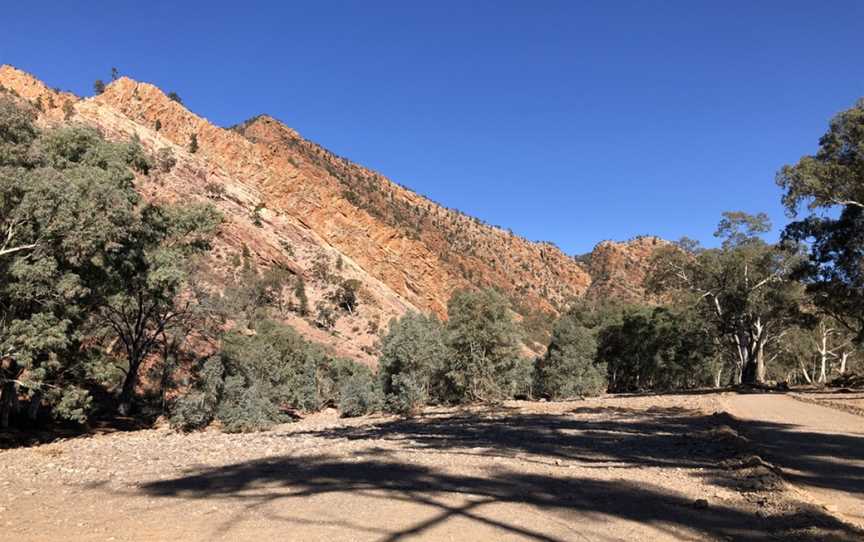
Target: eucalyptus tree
x=66 y=203
x=81 y=253
x=144 y=288
x=828 y=188
x=744 y=289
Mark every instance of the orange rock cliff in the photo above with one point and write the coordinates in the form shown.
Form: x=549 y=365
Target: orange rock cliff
x=289 y=201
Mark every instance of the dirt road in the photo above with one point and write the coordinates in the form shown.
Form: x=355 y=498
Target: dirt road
x=820 y=449
x=618 y=468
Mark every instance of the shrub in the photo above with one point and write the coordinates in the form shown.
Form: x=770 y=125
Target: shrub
x=137 y=158
x=345 y=296
x=568 y=369
x=321 y=268
x=192 y=412
x=165 y=160
x=408 y=394
x=72 y=403
x=287 y=247
x=98 y=86
x=197 y=408
x=484 y=347
x=521 y=380
x=325 y=316
x=254 y=379
x=193 y=143
x=255 y=215
x=358 y=394
x=300 y=294
x=657 y=349
x=413 y=354
x=247 y=406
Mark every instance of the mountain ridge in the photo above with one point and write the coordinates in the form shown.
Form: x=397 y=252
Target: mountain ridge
x=293 y=203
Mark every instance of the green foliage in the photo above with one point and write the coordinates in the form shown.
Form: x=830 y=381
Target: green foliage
x=484 y=347
x=197 y=408
x=173 y=96
x=411 y=365
x=832 y=176
x=744 y=292
x=98 y=87
x=325 y=316
x=70 y=213
x=193 y=143
x=569 y=368
x=656 y=349
x=192 y=411
x=71 y=403
x=142 y=282
x=345 y=296
x=520 y=384
x=258 y=378
x=165 y=160
x=247 y=406
x=17 y=132
x=253 y=294
x=408 y=394
x=255 y=215
x=830 y=185
x=300 y=294
x=359 y=393
x=254 y=377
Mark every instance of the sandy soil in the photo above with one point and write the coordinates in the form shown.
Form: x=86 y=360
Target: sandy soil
x=820 y=449
x=843 y=399
x=618 y=468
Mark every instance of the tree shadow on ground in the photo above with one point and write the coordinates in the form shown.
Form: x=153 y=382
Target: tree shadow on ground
x=620 y=438
x=661 y=437
x=825 y=460
x=656 y=437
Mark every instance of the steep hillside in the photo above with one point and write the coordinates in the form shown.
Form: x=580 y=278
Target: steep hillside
x=291 y=203
x=618 y=269
x=456 y=250
x=269 y=238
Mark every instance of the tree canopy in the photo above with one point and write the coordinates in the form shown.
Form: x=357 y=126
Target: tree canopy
x=829 y=185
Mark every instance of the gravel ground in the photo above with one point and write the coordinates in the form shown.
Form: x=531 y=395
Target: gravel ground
x=617 y=468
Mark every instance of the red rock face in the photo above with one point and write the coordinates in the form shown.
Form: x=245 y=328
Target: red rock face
x=619 y=269
x=290 y=202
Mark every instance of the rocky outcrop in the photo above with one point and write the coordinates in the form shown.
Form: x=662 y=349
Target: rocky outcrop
x=54 y=105
x=618 y=269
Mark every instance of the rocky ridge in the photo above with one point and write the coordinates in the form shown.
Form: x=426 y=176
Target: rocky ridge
x=290 y=202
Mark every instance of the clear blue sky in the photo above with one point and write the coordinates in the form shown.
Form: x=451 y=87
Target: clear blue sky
x=567 y=121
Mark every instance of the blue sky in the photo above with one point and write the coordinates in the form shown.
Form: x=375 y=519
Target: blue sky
x=568 y=121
